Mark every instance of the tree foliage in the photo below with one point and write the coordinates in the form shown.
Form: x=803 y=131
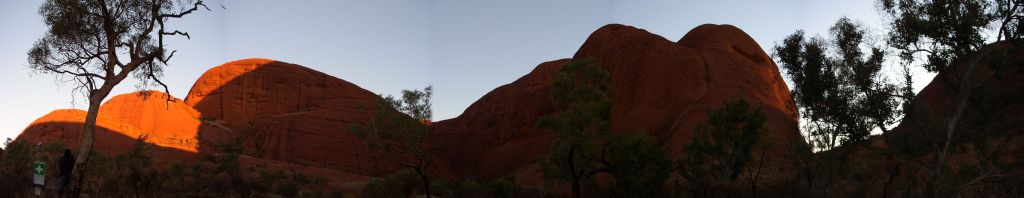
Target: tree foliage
x=400 y=125
x=949 y=37
x=98 y=44
x=721 y=148
x=579 y=91
x=936 y=32
x=639 y=165
x=398 y=120
x=838 y=85
x=15 y=169
x=136 y=173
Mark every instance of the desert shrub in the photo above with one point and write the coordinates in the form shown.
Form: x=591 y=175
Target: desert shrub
x=461 y=188
x=399 y=184
x=639 y=165
x=136 y=173
x=127 y=174
x=14 y=169
x=465 y=187
x=317 y=187
x=288 y=189
x=507 y=187
x=176 y=175
x=721 y=149
x=279 y=183
x=266 y=181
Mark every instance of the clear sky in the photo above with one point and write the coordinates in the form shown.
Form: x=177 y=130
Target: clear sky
x=463 y=48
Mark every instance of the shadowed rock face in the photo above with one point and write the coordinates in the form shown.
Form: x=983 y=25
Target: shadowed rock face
x=497 y=134
x=173 y=129
x=992 y=119
x=657 y=86
x=291 y=113
x=995 y=104
x=294 y=114
x=290 y=116
x=248 y=91
x=280 y=111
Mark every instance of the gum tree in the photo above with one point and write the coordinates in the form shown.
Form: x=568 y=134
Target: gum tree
x=402 y=123
x=579 y=91
x=97 y=44
x=721 y=149
x=933 y=34
x=838 y=85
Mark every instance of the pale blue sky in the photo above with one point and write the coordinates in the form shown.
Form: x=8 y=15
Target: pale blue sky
x=464 y=48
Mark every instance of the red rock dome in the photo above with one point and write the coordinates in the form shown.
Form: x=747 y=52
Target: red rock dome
x=291 y=113
x=170 y=126
x=658 y=86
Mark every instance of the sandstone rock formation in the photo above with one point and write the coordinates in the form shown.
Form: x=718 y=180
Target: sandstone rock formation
x=279 y=111
x=169 y=125
x=497 y=134
x=291 y=113
x=660 y=87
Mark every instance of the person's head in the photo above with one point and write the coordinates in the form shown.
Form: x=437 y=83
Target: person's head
x=67 y=152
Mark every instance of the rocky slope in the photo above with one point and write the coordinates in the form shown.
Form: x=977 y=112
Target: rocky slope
x=287 y=118
x=279 y=111
x=994 y=101
x=988 y=140
x=291 y=117
x=288 y=113
x=291 y=113
x=660 y=87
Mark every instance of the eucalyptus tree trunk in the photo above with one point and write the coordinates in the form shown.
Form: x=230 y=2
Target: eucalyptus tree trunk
x=961 y=102
x=88 y=138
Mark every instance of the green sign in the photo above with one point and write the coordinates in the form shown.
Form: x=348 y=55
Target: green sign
x=39 y=168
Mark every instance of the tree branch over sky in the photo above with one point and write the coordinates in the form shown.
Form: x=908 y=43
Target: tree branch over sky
x=98 y=44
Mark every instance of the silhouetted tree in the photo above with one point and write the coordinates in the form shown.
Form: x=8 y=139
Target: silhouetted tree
x=837 y=85
x=15 y=169
x=403 y=122
x=97 y=44
x=579 y=91
x=137 y=174
x=721 y=148
x=933 y=34
x=639 y=165
x=944 y=30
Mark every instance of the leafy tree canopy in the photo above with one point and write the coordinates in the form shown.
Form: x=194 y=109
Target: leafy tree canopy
x=838 y=85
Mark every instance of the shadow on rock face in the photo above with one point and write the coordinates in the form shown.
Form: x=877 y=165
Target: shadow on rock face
x=290 y=113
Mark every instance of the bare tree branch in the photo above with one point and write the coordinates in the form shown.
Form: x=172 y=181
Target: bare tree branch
x=195 y=7
x=176 y=32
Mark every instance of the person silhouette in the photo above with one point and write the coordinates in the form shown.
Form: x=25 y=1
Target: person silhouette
x=67 y=163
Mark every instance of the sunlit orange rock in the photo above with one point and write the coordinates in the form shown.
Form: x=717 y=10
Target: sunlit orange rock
x=169 y=125
x=66 y=125
x=167 y=122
